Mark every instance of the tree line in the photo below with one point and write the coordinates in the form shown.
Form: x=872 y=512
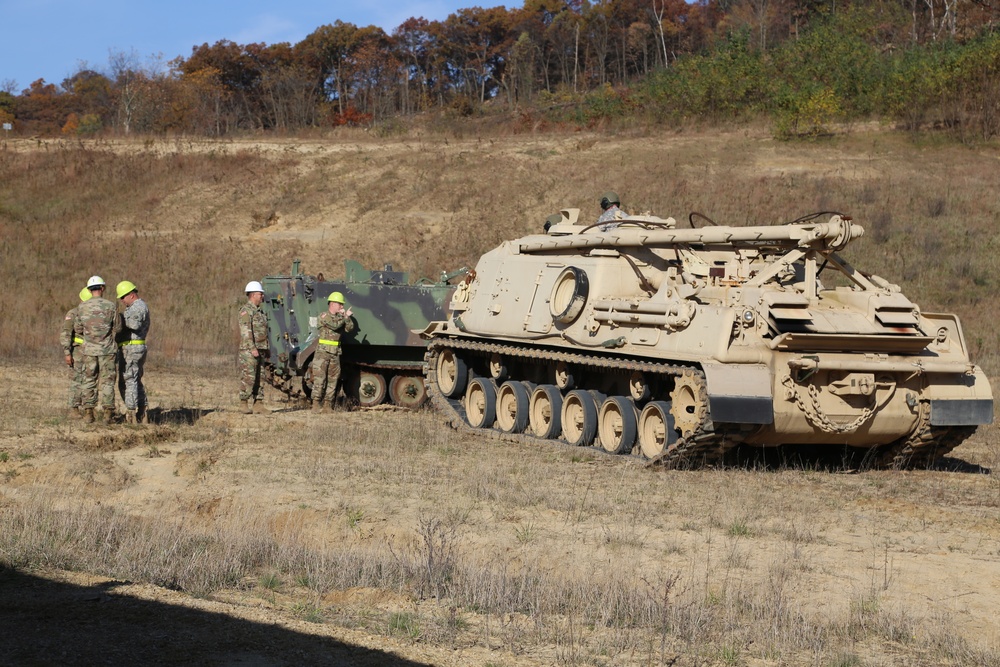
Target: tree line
x=804 y=62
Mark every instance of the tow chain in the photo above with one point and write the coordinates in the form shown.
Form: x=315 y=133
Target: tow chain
x=814 y=414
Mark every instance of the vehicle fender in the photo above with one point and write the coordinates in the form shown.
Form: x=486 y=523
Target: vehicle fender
x=739 y=393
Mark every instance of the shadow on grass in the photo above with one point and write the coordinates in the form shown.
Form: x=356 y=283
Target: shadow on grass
x=828 y=459
x=53 y=623
x=176 y=416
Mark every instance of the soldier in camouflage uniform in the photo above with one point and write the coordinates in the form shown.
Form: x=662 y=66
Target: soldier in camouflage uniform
x=132 y=351
x=610 y=204
x=326 y=362
x=72 y=346
x=254 y=348
x=99 y=325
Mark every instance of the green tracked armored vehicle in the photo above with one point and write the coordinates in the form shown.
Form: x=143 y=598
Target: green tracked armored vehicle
x=677 y=345
x=382 y=357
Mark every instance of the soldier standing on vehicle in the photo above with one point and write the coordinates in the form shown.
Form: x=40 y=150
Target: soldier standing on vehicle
x=254 y=348
x=326 y=362
x=72 y=346
x=132 y=351
x=98 y=323
x=610 y=204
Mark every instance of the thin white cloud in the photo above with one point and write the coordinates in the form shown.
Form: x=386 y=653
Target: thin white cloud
x=268 y=28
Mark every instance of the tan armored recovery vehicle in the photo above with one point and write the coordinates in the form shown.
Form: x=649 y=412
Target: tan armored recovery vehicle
x=679 y=344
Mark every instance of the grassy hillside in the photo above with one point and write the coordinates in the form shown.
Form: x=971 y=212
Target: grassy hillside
x=190 y=223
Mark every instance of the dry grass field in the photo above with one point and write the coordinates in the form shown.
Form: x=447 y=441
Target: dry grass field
x=384 y=537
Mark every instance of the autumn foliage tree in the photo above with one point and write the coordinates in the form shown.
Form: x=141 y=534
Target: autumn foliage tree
x=575 y=60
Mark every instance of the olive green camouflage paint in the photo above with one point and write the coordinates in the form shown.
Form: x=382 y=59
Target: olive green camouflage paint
x=386 y=310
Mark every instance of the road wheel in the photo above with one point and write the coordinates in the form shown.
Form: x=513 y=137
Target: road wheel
x=563 y=376
x=616 y=424
x=408 y=391
x=544 y=411
x=370 y=388
x=498 y=368
x=656 y=429
x=452 y=373
x=481 y=403
x=638 y=387
x=579 y=418
x=512 y=407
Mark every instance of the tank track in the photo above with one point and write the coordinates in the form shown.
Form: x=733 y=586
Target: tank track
x=286 y=386
x=925 y=445
x=706 y=446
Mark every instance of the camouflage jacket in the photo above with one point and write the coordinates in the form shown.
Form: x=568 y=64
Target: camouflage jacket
x=253 y=328
x=135 y=321
x=70 y=333
x=609 y=219
x=98 y=323
x=330 y=327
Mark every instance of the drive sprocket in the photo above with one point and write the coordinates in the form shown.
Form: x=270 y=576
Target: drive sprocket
x=689 y=403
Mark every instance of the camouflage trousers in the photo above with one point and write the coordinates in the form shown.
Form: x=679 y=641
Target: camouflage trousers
x=251 y=375
x=131 y=361
x=76 y=379
x=325 y=374
x=99 y=377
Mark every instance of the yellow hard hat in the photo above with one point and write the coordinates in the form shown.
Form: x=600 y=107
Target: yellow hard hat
x=336 y=297
x=85 y=294
x=124 y=287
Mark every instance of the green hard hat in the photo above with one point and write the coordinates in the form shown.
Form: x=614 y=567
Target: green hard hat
x=124 y=288
x=336 y=297
x=85 y=294
x=608 y=198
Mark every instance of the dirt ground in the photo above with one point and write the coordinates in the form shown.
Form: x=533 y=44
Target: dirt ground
x=848 y=568
x=927 y=542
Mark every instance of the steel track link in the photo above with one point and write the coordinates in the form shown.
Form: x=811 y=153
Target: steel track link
x=286 y=388
x=922 y=447
x=705 y=447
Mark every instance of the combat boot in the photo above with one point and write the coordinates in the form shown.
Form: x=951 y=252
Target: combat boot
x=140 y=415
x=258 y=407
x=317 y=406
x=88 y=415
x=248 y=406
x=109 y=415
x=130 y=417
x=327 y=408
x=74 y=413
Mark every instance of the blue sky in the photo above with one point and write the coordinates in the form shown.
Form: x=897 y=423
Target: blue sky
x=49 y=39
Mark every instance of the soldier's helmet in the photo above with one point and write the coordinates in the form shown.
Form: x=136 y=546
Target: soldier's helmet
x=336 y=297
x=125 y=288
x=553 y=219
x=608 y=198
